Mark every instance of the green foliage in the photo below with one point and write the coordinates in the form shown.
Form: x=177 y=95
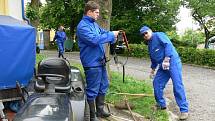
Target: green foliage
x=130 y=16
x=193 y=37
x=143 y=105
x=189 y=39
x=173 y=35
x=39 y=57
x=203 y=13
x=188 y=54
x=75 y=47
x=203 y=57
x=138 y=50
x=31 y=13
x=178 y=43
x=204 y=8
x=59 y=12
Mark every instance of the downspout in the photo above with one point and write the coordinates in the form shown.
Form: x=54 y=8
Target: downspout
x=23 y=13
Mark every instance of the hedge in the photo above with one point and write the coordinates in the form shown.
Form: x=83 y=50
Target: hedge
x=203 y=57
x=189 y=55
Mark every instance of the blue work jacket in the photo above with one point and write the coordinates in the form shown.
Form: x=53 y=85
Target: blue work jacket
x=60 y=36
x=159 y=47
x=91 y=40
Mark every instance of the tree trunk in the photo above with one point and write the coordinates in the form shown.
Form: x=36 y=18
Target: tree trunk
x=104 y=21
x=207 y=36
x=35 y=4
x=198 y=18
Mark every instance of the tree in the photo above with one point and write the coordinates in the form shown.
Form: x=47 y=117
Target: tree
x=128 y=15
x=32 y=12
x=203 y=13
x=193 y=37
x=61 y=12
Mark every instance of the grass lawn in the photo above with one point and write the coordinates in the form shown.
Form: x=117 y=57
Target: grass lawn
x=143 y=105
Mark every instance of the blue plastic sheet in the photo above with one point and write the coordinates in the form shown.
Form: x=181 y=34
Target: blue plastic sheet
x=17 y=52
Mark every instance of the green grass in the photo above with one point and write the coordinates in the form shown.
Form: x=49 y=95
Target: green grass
x=40 y=57
x=143 y=105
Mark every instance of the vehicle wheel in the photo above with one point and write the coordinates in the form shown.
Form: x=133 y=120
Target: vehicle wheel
x=86 y=112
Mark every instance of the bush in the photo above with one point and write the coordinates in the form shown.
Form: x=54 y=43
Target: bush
x=197 y=56
x=178 y=43
x=75 y=46
x=190 y=55
x=138 y=50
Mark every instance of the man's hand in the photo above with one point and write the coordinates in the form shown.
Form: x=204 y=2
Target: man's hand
x=166 y=64
x=115 y=33
x=152 y=74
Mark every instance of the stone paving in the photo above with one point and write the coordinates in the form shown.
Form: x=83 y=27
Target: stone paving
x=199 y=84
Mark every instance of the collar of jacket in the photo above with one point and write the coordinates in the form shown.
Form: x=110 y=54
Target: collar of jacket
x=152 y=37
x=88 y=18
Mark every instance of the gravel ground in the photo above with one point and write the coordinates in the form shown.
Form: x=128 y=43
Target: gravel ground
x=199 y=84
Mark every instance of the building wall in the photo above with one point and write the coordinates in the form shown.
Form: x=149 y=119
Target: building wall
x=15 y=9
x=3 y=7
x=11 y=8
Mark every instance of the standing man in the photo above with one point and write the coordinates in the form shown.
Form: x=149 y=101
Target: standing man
x=91 y=40
x=60 y=37
x=163 y=54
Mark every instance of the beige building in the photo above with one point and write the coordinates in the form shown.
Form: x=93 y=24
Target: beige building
x=15 y=9
x=11 y=8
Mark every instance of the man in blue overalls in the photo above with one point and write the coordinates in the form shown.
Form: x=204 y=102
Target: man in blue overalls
x=163 y=54
x=91 y=40
x=60 y=37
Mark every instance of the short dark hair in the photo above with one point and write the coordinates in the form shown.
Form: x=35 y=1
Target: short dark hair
x=91 y=5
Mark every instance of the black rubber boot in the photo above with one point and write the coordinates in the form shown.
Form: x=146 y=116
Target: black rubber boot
x=59 y=54
x=92 y=111
x=100 y=107
x=63 y=56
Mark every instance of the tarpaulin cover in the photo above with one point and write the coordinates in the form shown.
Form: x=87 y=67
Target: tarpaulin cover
x=17 y=52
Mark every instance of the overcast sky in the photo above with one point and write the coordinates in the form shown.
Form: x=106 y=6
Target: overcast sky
x=186 y=21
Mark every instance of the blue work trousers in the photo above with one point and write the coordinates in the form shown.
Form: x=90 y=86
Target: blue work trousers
x=60 y=47
x=97 y=82
x=160 y=81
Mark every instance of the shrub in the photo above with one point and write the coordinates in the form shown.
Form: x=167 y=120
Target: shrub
x=190 y=55
x=178 y=43
x=138 y=50
x=75 y=46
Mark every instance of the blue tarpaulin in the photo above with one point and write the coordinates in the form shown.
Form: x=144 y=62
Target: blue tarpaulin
x=17 y=52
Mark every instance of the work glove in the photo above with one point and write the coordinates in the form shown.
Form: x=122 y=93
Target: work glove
x=152 y=74
x=165 y=63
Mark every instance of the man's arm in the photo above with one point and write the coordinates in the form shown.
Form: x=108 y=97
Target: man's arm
x=55 y=36
x=91 y=38
x=165 y=41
